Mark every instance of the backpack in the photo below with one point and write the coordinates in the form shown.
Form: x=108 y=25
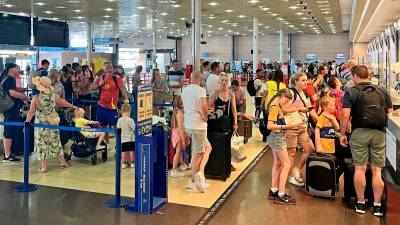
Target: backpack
x=370 y=108
x=6 y=101
x=338 y=105
x=251 y=89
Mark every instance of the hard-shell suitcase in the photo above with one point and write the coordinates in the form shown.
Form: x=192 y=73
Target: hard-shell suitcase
x=321 y=175
x=245 y=129
x=219 y=162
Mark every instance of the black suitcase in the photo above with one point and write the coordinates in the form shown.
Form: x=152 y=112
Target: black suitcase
x=349 y=189
x=219 y=162
x=321 y=174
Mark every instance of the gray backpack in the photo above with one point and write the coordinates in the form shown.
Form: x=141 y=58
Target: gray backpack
x=6 y=102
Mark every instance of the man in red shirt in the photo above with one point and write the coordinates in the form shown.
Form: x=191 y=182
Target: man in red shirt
x=110 y=86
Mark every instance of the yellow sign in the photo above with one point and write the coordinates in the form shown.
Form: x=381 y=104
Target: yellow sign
x=141 y=106
x=149 y=104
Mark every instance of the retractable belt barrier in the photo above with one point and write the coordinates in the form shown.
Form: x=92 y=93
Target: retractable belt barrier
x=115 y=202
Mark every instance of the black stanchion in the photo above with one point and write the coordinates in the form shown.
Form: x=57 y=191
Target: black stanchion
x=117 y=201
x=26 y=187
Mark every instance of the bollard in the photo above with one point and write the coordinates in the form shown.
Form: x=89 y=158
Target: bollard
x=26 y=187
x=117 y=201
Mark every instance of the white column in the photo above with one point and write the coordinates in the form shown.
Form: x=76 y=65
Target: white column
x=154 y=53
x=281 y=46
x=196 y=25
x=255 y=44
x=89 y=44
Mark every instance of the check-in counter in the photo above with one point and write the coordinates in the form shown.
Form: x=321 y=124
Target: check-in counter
x=391 y=174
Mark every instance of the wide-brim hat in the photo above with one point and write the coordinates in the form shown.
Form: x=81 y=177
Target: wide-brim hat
x=42 y=84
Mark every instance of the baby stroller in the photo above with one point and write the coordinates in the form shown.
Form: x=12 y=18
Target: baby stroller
x=81 y=147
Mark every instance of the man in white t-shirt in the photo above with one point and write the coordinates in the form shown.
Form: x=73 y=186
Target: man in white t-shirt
x=196 y=115
x=212 y=83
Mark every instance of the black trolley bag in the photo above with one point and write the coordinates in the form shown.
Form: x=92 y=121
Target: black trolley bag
x=219 y=162
x=321 y=173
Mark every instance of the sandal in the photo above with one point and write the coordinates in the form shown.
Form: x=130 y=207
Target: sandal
x=42 y=171
x=65 y=166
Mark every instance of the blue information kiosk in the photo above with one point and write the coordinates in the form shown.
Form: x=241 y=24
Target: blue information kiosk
x=151 y=157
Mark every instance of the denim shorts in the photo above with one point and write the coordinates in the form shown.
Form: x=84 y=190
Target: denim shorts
x=277 y=141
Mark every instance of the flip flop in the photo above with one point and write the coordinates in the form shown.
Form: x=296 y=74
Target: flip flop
x=42 y=171
x=65 y=166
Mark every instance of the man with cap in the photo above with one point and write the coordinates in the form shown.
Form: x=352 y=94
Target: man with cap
x=9 y=73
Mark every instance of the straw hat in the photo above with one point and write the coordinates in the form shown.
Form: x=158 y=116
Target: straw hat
x=43 y=84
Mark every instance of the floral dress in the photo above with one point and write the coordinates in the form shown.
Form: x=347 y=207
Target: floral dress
x=47 y=141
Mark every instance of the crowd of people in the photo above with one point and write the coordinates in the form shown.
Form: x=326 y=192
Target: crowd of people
x=318 y=110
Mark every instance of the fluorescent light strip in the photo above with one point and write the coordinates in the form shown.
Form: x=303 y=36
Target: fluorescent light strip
x=370 y=19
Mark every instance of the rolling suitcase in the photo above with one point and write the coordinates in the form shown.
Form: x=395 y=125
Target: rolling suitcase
x=219 y=162
x=245 y=129
x=321 y=175
x=349 y=189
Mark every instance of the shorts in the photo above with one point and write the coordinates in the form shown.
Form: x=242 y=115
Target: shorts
x=107 y=117
x=199 y=140
x=128 y=146
x=297 y=137
x=94 y=134
x=277 y=141
x=11 y=132
x=368 y=146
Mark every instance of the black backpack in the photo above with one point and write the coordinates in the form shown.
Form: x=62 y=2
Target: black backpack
x=6 y=101
x=251 y=89
x=371 y=108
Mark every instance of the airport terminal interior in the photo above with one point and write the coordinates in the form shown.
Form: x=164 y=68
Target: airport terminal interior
x=221 y=112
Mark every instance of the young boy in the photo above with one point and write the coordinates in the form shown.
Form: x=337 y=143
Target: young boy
x=81 y=122
x=327 y=126
x=127 y=126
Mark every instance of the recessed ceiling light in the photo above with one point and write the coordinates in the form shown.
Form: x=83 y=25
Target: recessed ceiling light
x=304 y=18
x=229 y=31
x=108 y=9
x=106 y=16
x=176 y=6
x=155 y=20
x=211 y=17
x=39 y=3
x=213 y=3
x=48 y=12
x=299 y=13
x=241 y=16
x=274 y=14
x=141 y=7
x=55 y=18
x=293 y=7
x=164 y=14
x=210 y=26
x=60 y=7
x=77 y=10
x=79 y=17
x=229 y=10
x=8 y=5
x=280 y=18
x=225 y=21
x=226 y=35
x=291 y=26
x=326 y=12
x=111 y=0
x=73 y=1
x=182 y=18
x=220 y=28
x=253 y=1
x=303 y=25
x=266 y=27
x=172 y=24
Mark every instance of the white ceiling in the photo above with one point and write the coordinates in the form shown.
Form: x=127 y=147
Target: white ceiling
x=127 y=18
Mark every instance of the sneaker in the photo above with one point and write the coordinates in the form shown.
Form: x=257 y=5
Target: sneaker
x=295 y=182
x=124 y=165
x=190 y=184
x=378 y=210
x=176 y=173
x=297 y=175
x=100 y=147
x=132 y=164
x=199 y=180
x=11 y=159
x=360 y=208
x=184 y=167
x=272 y=195
x=285 y=200
x=206 y=185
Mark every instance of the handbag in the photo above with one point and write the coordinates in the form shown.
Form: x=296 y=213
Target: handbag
x=237 y=147
x=51 y=118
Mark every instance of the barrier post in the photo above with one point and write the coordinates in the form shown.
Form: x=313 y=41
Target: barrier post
x=117 y=201
x=26 y=187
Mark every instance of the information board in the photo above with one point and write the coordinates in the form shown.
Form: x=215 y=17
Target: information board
x=144 y=110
